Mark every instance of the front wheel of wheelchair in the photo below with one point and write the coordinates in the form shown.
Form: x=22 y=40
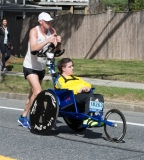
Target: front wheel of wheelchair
x=44 y=112
x=116 y=132
x=74 y=124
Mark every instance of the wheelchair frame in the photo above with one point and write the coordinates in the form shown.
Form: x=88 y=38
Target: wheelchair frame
x=53 y=103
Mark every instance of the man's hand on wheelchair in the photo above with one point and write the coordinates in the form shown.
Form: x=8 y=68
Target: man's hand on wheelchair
x=55 y=39
x=58 y=38
x=84 y=89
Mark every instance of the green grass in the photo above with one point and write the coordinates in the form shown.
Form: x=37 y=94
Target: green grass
x=121 y=94
x=132 y=71
x=17 y=67
x=17 y=84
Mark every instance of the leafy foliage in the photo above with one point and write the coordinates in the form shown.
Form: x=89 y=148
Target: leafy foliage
x=137 y=5
x=116 y=5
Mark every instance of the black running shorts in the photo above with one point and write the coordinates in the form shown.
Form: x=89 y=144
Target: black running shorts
x=28 y=71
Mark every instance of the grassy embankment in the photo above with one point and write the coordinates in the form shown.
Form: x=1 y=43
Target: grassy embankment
x=132 y=71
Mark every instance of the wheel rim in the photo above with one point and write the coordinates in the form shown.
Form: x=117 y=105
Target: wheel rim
x=44 y=112
x=118 y=131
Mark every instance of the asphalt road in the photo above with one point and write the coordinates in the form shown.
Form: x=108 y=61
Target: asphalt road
x=62 y=143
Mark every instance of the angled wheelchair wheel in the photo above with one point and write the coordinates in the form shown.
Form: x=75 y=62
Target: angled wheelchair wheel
x=44 y=112
x=74 y=124
x=116 y=132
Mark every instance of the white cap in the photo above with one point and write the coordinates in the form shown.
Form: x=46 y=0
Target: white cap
x=44 y=16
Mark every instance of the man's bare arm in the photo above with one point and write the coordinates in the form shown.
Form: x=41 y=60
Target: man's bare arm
x=33 y=40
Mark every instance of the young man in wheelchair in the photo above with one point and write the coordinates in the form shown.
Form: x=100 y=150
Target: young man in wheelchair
x=81 y=88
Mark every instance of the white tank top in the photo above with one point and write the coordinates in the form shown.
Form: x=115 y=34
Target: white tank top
x=33 y=61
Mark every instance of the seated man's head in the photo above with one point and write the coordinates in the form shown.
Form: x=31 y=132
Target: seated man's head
x=65 y=66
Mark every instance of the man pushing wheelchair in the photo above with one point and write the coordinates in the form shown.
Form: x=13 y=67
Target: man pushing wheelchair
x=73 y=99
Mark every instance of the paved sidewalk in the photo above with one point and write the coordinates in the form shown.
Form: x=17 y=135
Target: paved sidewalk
x=98 y=82
x=119 y=105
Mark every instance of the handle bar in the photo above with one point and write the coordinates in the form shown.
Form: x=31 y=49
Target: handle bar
x=59 y=53
x=49 y=49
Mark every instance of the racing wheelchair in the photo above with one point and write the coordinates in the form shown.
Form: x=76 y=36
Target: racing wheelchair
x=52 y=103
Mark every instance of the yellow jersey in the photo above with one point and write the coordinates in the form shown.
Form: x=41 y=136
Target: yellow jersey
x=71 y=83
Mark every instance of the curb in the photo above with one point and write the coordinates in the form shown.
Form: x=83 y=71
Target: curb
x=125 y=106
x=13 y=95
x=108 y=105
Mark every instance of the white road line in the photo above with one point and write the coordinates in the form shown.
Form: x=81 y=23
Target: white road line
x=130 y=123
x=135 y=124
x=18 y=109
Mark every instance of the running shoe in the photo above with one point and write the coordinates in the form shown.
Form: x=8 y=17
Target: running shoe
x=23 y=121
x=5 y=70
x=90 y=122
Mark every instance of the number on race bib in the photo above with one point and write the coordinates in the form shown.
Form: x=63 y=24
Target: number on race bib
x=95 y=105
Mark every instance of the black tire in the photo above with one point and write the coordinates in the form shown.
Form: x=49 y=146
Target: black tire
x=44 y=112
x=117 y=132
x=74 y=124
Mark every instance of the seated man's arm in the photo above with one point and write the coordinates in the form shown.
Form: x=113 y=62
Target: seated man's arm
x=86 y=86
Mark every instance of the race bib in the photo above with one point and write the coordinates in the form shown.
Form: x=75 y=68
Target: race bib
x=95 y=105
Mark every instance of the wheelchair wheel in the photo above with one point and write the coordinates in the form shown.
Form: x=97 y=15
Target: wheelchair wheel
x=117 y=132
x=44 y=112
x=74 y=124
